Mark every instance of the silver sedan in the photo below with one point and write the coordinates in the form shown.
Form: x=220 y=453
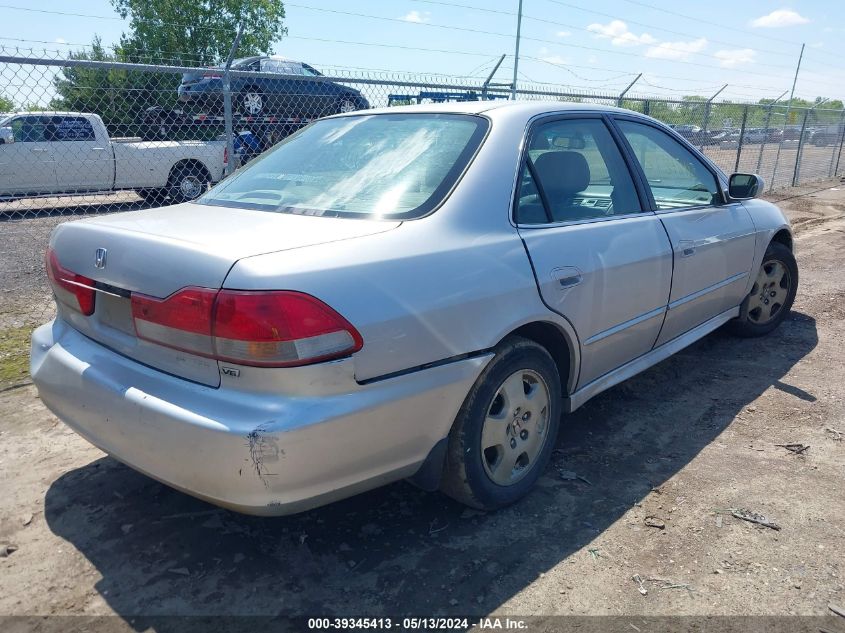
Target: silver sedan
x=418 y=292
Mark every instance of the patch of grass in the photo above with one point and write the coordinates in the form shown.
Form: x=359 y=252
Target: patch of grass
x=14 y=355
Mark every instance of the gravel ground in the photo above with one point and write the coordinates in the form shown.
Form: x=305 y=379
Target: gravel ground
x=682 y=443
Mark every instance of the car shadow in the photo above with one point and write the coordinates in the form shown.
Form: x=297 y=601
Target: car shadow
x=399 y=550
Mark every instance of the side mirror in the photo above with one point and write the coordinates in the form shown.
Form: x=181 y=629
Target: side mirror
x=6 y=136
x=745 y=186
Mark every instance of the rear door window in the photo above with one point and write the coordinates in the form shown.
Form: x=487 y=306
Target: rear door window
x=70 y=129
x=574 y=171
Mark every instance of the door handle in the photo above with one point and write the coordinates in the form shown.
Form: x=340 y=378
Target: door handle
x=97 y=149
x=567 y=277
x=687 y=248
x=38 y=150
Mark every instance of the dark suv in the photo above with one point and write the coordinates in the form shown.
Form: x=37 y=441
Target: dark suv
x=296 y=91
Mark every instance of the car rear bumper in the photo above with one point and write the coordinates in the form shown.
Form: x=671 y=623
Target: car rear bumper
x=257 y=453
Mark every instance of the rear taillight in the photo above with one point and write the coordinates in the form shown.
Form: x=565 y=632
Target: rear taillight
x=181 y=321
x=259 y=328
x=225 y=156
x=75 y=291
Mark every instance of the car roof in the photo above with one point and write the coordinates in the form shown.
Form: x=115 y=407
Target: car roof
x=527 y=108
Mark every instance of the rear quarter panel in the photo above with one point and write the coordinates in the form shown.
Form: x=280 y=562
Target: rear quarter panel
x=417 y=295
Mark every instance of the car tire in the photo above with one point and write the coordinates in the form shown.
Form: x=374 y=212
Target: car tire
x=187 y=183
x=514 y=409
x=346 y=104
x=772 y=295
x=251 y=102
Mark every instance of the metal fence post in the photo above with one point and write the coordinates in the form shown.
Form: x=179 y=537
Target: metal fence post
x=765 y=138
x=797 y=171
x=227 y=102
x=704 y=123
x=741 y=136
x=839 y=154
x=833 y=154
x=707 y=108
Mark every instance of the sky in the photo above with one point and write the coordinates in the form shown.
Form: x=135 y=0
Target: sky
x=600 y=46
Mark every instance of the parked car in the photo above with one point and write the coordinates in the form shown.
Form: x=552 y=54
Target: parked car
x=774 y=135
x=827 y=135
x=376 y=298
x=755 y=135
x=696 y=135
x=285 y=88
x=728 y=140
x=71 y=152
x=793 y=133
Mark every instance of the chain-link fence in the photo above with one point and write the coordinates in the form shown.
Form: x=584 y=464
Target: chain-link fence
x=82 y=136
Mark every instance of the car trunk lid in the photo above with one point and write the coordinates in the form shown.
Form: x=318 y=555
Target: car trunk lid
x=160 y=251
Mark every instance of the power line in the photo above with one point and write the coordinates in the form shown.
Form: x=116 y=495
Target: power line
x=380 y=45
x=580 y=28
x=535 y=39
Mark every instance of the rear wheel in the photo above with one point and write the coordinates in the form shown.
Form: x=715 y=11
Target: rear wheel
x=772 y=295
x=504 y=434
x=346 y=105
x=252 y=103
x=187 y=182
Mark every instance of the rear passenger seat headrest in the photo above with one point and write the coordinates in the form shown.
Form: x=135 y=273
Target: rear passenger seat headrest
x=562 y=173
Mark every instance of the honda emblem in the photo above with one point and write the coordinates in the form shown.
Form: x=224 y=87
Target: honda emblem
x=100 y=258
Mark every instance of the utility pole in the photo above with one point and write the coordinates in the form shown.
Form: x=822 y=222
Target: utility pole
x=624 y=92
x=516 y=53
x=786 y=116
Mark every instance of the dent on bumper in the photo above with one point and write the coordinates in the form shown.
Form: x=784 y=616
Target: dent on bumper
x=255 y=453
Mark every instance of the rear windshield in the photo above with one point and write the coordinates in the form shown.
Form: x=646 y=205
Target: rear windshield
x=395 y=166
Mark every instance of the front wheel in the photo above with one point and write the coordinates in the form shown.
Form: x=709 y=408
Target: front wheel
x=504 y=434
x=772 y=295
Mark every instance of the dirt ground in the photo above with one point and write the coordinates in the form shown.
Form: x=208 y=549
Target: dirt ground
x=684 y=442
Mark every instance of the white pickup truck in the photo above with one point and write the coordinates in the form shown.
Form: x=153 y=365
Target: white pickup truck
x=50 y=153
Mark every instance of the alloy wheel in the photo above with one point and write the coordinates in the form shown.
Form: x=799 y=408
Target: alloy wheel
x=769 y=293
x=190 y=187
x=515 y=429
x=347 y=106
x=253 y=103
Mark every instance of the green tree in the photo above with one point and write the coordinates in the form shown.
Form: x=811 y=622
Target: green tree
x=197 y=32
x=6 y=104
x=104 y=92
x=173 y=32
